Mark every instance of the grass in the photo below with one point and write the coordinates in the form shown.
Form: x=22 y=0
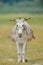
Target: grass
x=8 y=47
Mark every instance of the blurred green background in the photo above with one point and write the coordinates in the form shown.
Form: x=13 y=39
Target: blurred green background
x=21 y=6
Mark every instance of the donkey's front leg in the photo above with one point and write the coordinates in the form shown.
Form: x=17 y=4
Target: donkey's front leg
x=18 y=51
x=23 y=53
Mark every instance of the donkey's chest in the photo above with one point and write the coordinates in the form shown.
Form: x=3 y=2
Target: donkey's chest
x=20 y=40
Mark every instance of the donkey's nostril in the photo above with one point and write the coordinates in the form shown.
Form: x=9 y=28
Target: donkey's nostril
x=20 y=35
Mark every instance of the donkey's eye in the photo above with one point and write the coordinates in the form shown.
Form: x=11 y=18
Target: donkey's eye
x=23 y=25
x=17 y=25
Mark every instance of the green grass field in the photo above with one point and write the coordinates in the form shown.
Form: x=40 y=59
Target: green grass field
x=8 y=51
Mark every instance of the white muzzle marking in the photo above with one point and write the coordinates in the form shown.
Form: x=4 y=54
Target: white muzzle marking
x=20 y=33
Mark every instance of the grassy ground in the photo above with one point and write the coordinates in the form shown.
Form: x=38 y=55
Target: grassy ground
x=8 y=51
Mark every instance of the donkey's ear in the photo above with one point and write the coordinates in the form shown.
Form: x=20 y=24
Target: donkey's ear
x=19 y=18
x=26 y=19
x=12 y=19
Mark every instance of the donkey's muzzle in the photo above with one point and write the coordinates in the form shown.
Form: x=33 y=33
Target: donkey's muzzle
x=20 y=35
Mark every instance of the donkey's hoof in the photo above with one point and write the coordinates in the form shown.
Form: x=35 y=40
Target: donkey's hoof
x=26 y=60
